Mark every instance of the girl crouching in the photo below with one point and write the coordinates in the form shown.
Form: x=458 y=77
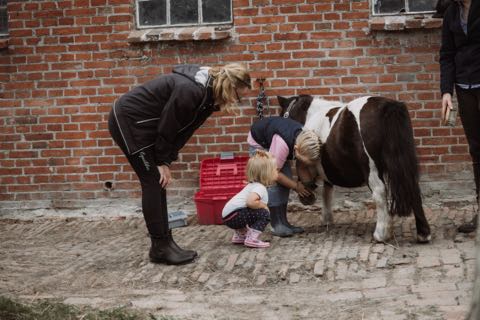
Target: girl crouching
x=247 y=212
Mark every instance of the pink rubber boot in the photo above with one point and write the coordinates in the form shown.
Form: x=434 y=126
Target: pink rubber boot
x=252 y=240
x=239 y=236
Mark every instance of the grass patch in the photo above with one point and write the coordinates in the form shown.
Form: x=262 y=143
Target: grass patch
x=50 y=310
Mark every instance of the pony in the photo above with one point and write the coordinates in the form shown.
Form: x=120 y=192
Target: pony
x=368 y=141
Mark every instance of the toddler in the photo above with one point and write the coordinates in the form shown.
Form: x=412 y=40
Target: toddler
x=247 y=212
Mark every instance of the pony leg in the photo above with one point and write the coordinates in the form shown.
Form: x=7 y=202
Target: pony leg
x=423 y=228
x=384 y=220
x=327 y=203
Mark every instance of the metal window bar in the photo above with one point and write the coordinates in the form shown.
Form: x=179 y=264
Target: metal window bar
x=407 y=10
x=168 y=12
x=200 y=11
x=3 y=8
x=168 y=18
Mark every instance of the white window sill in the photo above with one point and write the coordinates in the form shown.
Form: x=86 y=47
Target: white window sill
x=180 y=34
x=404 y=22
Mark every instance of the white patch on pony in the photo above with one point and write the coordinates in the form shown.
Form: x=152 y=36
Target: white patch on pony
x=355 y=106
x=318 y=122
x=384 y=220
x=317 y=119
x=319 y=104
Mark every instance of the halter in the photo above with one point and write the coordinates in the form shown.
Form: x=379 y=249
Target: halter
x=290 y=106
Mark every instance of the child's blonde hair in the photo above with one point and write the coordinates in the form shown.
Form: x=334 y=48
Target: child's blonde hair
x=227 y=79
x=261 y=167
x=308 y=145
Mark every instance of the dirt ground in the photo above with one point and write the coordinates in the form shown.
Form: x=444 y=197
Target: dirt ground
x=325 y=273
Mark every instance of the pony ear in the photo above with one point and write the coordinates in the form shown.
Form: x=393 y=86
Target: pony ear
x=284 y=102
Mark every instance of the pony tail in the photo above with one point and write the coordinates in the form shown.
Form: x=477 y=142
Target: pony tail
x=400 y=165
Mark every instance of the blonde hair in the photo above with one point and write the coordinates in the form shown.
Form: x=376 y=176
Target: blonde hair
x=308 y=145
x=227 y=79
x=261 y=168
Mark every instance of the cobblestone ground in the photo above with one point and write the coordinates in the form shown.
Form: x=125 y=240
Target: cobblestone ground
x=334 y=273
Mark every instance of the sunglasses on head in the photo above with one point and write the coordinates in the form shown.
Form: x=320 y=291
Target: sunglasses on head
x=238 y=97
x=245 y=83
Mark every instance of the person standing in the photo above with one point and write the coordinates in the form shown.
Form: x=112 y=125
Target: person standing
x=153 y=121
x=460 y=69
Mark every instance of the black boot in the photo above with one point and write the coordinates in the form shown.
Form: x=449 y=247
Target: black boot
x=285 y=221
x=469 y=227
x=178 y=249
x=472 y=225
x=162 y=251
x=279 y=229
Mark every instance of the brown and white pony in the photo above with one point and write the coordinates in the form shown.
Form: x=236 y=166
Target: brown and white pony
x=368 y=141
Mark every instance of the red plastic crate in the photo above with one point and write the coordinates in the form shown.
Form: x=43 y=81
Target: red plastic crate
x=220 y=180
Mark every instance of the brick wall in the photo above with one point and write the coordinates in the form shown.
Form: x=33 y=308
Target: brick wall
x=67 y=61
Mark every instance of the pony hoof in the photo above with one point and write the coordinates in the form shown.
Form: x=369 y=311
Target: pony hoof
x=328 y=222
x=424 y=239
x=378 y=238
x=307 y=201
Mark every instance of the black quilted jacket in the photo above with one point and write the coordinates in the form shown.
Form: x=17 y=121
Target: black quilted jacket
x=460 y=53
x=164 y=112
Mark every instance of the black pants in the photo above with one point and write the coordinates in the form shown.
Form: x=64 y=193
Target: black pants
x=469 y=109
x=255 y=218
x=154 y=197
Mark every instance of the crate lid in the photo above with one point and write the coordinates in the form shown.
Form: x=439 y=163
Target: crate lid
x=218 y=174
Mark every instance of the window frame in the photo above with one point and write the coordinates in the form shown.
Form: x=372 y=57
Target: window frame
x=4 y=7
x=406 y=13
x=200 y=23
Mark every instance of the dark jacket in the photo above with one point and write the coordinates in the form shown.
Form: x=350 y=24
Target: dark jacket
x=164 y=112
x=460 y=53
x=263 y=131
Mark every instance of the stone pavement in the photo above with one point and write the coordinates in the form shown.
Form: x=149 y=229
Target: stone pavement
x=326 y=273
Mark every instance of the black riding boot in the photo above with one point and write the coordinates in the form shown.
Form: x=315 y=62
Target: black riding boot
x=285 y=221
x=279 y=228
x=469 y=227
x=163 y=251
x=178 y=249
x=472 y=225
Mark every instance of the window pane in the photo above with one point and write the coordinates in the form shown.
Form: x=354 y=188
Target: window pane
x=422 y=5
x=216 y=10
x=3 y=21
x=3 y=3
x=152 y=12
x=183 y=11
x=389 y=6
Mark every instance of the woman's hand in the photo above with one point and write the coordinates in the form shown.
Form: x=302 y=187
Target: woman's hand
x=294 y=185
x=165 y=176
x=302 y=190
x=446 y=106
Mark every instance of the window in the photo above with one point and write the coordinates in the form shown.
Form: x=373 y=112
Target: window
x=166 y=13
x=3 y=18
x=381 y=7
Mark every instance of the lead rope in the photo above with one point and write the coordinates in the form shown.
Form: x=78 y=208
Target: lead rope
x=262 y=100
